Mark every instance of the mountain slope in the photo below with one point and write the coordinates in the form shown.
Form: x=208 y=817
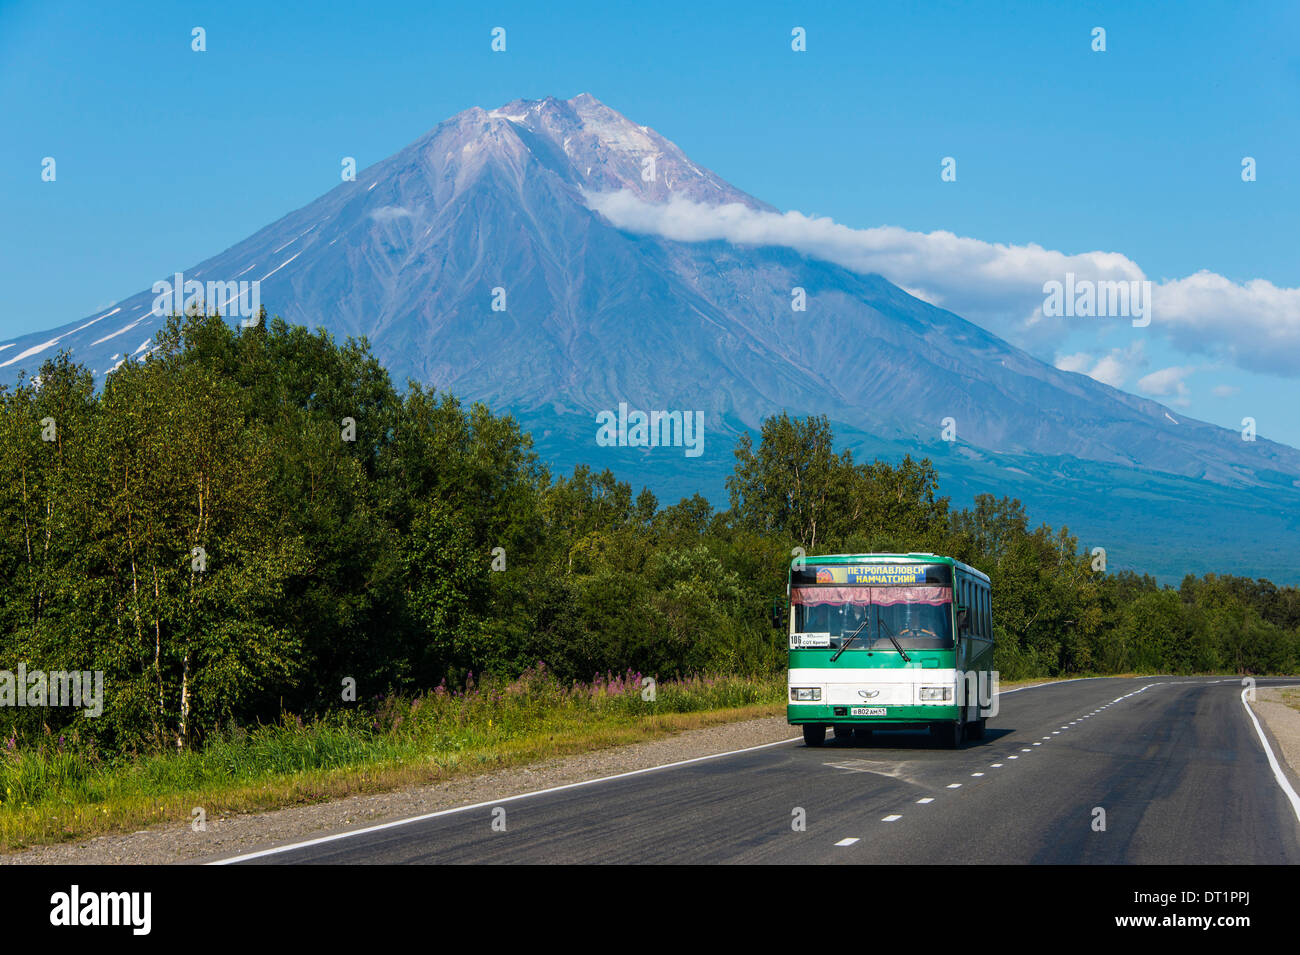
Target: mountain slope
x=410 y=254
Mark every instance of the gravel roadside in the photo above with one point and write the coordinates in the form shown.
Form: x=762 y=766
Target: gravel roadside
x=234 y=834
x=1283 y=725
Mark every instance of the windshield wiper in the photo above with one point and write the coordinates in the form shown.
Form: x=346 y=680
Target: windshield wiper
x=845 y=645
x=890 y=634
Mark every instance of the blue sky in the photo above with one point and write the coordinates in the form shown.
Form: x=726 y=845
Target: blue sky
x=166 y=156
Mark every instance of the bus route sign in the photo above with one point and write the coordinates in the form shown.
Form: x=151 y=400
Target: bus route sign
x=887 y=574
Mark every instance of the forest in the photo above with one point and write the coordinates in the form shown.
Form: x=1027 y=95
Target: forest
x=253 y=520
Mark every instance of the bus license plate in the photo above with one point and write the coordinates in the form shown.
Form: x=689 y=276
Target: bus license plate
x=867 y=711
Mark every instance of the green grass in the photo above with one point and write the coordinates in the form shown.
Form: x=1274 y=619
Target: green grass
x=50 y=793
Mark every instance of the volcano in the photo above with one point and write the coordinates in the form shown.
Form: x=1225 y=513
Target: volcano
x=476 y=260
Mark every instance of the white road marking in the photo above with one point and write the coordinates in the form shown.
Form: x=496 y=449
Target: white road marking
x=954 y=785
x=977 y=774
x=997 y=765
x=1013 y=757
x=492 y=803
x=1278 y=774
x=848 y=842
x=1035 y=686
x=924 y=799
x=894 y=818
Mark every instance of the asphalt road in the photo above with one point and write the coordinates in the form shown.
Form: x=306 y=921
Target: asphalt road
x=1175 y=764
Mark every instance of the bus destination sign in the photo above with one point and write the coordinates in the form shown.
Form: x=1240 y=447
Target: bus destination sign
x=880 y=574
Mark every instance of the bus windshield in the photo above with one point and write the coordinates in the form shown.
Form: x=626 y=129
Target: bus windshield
x=919 y=617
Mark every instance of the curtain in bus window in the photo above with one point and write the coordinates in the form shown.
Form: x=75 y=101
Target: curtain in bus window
x=929 y=595
x=817 y=596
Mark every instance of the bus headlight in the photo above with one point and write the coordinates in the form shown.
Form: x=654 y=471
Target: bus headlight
x=805 y=694
x=936 y=694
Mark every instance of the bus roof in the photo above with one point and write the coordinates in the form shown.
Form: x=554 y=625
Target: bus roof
x=915 y=558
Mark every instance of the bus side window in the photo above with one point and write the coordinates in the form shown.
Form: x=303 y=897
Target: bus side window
x=988 y=613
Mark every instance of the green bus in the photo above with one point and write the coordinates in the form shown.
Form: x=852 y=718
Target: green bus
x=889 y=641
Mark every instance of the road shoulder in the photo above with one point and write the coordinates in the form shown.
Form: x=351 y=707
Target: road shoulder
x=231 y=835
x=1282 y=724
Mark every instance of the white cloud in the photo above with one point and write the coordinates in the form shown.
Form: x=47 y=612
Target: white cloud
x=389 y=213
x=1225 y=391
x=1079 y=362
x=1113 y=368
x=1255 y=325
x=1169 y=383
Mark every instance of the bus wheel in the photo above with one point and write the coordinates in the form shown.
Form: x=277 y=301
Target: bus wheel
x=842 y=732
x=948 y=735
x=814 y=734
x=975 y=729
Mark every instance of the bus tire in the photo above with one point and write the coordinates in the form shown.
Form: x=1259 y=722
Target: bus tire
x=842 y=732
x=949 y=735
x=814 y=734
x=976 y=729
